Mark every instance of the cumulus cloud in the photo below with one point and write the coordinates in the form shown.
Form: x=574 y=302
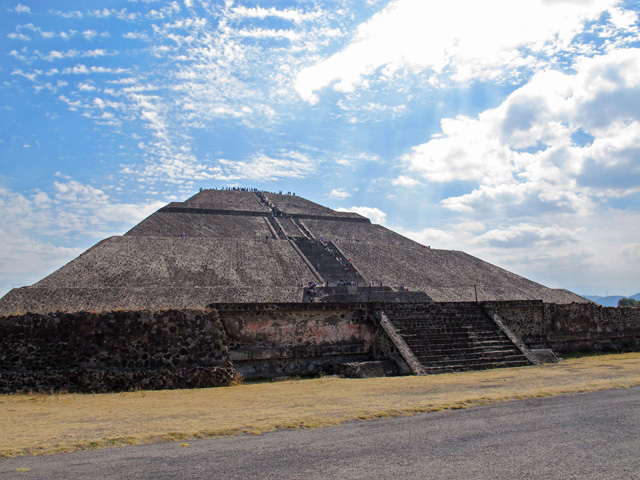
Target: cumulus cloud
x=35 y=227
x=372 y=213
x=433 y=237
x=18 y=36
x=89 y=34
x=405 y=182
x=22 y=9
x=524 y=155
x=339 y=193
x=435 y=36
x=90 y=210
x=577 y=252
x=27 y=260
x=631 y=252
x=527 y=235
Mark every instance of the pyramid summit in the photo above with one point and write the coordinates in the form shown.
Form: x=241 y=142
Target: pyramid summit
x=242 y=245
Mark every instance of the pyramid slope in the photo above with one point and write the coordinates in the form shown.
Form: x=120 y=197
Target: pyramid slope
x=197 y=224
x=295 y=205
x=231 y=200
x=203 y=262
x=223 y=246
x=447 y=276
x=382 y=255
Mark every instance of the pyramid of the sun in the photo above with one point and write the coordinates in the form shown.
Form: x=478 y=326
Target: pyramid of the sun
x=244 y=246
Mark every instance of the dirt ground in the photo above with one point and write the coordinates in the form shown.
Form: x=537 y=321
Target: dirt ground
x=35 y=424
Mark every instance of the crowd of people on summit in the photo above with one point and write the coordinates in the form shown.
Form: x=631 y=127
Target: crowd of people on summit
x=249 y=189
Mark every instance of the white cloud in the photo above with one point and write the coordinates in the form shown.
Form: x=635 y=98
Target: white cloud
x=68 y=35
x=631 y=252
x=293 y=15
x=35 y=227
x=86 y=87
x=562 y=142
x=405 y=182
x=74 y=14
x=135 y=36
x=31 y=76
x=90 y=210
x=289 y=164
x=121 y=14
x=374 y=214
x=451 y=36
x=586 y=254
x=89 y=34
x=81 y=69
x=528 y=235
x=339 y=193
x=18 y=36
x=27 y=260
x=22 y=9
x=269 y=33
x=433 y=237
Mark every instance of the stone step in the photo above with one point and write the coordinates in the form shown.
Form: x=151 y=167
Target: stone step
x=464 y=359
x=483 y=366
x=329 y=264
x=458 y=344
x=454 y=337
x=440 y=324
x=472 y=349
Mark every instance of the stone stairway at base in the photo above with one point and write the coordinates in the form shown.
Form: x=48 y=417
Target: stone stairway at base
x=453 y=337
x=329 y=264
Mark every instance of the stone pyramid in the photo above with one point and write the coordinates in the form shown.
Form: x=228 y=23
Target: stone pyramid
x=247 y=246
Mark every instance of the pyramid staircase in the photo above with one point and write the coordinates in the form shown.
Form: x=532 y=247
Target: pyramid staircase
x=329 y=262
x=453 y=337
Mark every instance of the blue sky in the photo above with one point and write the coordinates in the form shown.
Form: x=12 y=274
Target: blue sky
x=509 y=130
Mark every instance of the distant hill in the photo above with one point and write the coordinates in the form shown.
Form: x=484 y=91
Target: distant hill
x=611 y=300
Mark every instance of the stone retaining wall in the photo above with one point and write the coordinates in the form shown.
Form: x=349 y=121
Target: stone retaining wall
x=99 y=352
x=571 y=327
x=125 y=350
x=271 y=340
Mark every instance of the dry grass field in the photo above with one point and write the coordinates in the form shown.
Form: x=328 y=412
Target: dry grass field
x=46 y=424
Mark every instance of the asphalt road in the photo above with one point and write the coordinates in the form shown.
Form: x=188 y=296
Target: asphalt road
x=589 y=436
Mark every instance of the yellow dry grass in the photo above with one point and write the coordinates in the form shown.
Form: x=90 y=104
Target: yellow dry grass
x=44 y=424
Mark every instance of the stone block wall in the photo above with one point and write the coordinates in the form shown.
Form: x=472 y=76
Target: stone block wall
x=271 y=340
x=113 y=351
x=571 y=327
x=125 y=350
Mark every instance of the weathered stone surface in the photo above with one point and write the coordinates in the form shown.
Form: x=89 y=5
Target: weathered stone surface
x=449 y=337
x=544 y=355
x=192 y=224
x=285 y=339
x=572 y=327
x=226 y=200
x=111 y=351
x=367 y=369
